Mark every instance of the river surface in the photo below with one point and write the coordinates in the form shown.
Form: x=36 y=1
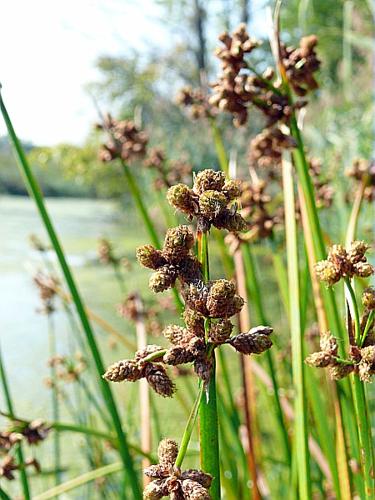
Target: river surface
x=24 y=331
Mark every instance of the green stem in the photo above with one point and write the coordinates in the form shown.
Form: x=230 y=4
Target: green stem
x=355 y=310
x=256 y=297
x=136 y=193
x=189 y=428
x=364 y=435
x=368 y=325
x=208 y=417
x=35 y=191
x=4 y=495
x=304 y=483
x=55 y=399
x=219 y=146
x=19 y=452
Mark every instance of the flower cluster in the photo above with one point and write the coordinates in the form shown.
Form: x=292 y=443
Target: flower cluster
x=360 y=360
x=169 y=480
x=342 y=263
x=210 y=201
x=32 y=432
x=196 y=101
x=144 y=365
x=130 y=309
x=8 y=466
x=68 y=369
x=300 y=64
x=361 y=356
x=46 y=285
x=266 y=149
x=174 y=261
x=126 y=141
x=168 y=173
x=230 y=92
x=364 y=171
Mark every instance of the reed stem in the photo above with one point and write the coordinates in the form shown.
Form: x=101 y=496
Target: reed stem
x=303 y=467
x=208 y=417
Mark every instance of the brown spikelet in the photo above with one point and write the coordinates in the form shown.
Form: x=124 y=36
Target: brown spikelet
x=167 y=451
x=198 y=476
x=194 y=490
x=126 y=369
x=158 y=379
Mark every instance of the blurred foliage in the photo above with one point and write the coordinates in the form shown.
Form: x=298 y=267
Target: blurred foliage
x=142 y=86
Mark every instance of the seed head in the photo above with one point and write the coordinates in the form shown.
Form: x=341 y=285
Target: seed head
x=327 y=272
x=158 y=379
x=363 y=269
x=176 y=334
x=198 y=476
x=150 y=257
x=178 y=355
x=194 y=321
x=319 y=359
x=328 y=344
x=154 y=491
x=208 y=180
x=178 y=242
x=163 y=279
x=194 y=491
x=126 y=369
x=220 y=332
x=232 y=189
x=340 y=371
x=368 y=354
x=368 y=298
x=357 y=251
x=248 y=343
x=167 y=451
x=182 y=197
x=211 y=203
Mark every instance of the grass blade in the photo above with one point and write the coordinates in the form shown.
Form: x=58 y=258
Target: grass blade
x=303 y=467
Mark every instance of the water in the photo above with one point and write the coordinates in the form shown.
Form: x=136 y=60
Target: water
x=24 y=332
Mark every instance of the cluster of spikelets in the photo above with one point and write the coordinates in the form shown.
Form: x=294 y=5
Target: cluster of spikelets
x=46 y=285
x=342 y=263
x=346 y=264
x=32 y=433
x=363 y=171
x=215 y=299
x=361 y=359
x=174 y=260
x=169 y=480
x=125 y=141
x=210 y=201
x=197 y=102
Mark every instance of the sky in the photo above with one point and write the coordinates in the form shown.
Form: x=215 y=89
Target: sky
x=47 y=53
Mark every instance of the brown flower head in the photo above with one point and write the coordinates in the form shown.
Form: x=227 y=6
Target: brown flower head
x=174 y=261
x=167 y=479
x=364 y=171
x=105 y=252
x=210 y=201
x=342 y=263
x=300 y=64
x=196 y=101
x=125 y=141
x=256 y=341
x=142 y=366
x=266 y=149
